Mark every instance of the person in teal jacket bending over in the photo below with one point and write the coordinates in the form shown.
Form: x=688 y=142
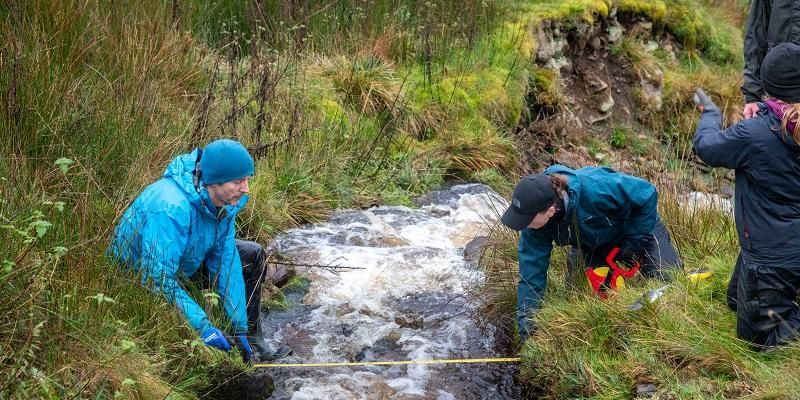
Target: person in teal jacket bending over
x=184 y=225
x=593 y=209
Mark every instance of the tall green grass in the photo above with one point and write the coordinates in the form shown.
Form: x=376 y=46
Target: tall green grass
x=92 y=90
x=403 y=31
x=97 y=98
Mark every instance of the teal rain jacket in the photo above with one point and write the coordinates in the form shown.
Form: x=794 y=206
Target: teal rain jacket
x=172 y=229
x=605 y=208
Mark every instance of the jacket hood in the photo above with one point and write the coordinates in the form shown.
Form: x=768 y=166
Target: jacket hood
x=181 y=171
x=573 y=184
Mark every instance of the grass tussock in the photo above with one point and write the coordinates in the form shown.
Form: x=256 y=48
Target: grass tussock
x=369 y=85
x=644 y=63
x=478 y=151
x=545 y=91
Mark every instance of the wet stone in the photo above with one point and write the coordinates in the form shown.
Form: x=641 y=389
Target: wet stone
x=280 y=275
x=353 y=240
x=399 y=218
x=363 y=354
x=346 y=329
x=349 y=217
x=439 y=212
x=293 y=385
x=449 y=195
x=409 y=396
x=412 y=321
x=365 y=311
x=383 y=345
x=388 y=241
x=380 y=391
x=646 y=390
x=473 y=250
x=231 y=384
x=343 y=309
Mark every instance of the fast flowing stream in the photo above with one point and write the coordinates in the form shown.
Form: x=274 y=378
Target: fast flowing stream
x=411 y=301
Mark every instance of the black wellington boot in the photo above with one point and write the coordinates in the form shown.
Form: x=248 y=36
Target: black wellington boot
x=267 y=351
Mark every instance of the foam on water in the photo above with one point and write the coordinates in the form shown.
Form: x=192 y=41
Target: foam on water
x=405 y=254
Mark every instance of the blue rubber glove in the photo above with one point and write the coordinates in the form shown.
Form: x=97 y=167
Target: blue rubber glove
x=215 y=338
x=244 y=347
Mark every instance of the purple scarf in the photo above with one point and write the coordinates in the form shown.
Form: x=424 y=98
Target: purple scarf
x=779 y=109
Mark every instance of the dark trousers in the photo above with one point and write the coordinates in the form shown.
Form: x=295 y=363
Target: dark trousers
x=766 y=310
x=658 y=258
x=733 y=285
x=254 y=272
x=254 y=260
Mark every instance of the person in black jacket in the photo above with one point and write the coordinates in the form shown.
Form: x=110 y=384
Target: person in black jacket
x=771 y=22
x=765 y=153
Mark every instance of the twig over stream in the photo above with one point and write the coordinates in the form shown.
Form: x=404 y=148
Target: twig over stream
x=330 y=267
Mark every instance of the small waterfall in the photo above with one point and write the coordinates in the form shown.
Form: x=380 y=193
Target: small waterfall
x=411 y=301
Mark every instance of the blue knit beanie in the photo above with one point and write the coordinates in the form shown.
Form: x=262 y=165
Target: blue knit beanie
x=225 y=160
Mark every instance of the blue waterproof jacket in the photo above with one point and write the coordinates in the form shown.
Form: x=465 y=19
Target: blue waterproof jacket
x=172 y=229
x=604 y=208
x=767 y=196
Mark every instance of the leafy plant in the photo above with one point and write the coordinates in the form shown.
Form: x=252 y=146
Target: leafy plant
x=619 y=137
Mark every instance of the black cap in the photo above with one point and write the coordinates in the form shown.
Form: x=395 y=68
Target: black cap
x=780 y=72
x=533 y=194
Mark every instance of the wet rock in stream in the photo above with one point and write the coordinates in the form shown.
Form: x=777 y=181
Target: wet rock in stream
x=346 y=329
x=474 y=249
x=381 y=391
x=232 y=384
x=409 y=320
x=450 y=195
x=382 y=346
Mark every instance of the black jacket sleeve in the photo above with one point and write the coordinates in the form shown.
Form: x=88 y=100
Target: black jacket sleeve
x=755 y=48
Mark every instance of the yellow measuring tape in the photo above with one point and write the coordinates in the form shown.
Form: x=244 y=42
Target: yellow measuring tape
x=407 y=362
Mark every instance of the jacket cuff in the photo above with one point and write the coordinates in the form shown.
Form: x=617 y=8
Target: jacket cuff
x=750 y=96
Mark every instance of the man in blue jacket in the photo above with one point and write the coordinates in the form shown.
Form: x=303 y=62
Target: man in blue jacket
x=184 y=224
x=592 y=209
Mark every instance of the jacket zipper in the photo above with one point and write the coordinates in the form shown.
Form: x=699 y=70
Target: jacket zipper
x=745 y=227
